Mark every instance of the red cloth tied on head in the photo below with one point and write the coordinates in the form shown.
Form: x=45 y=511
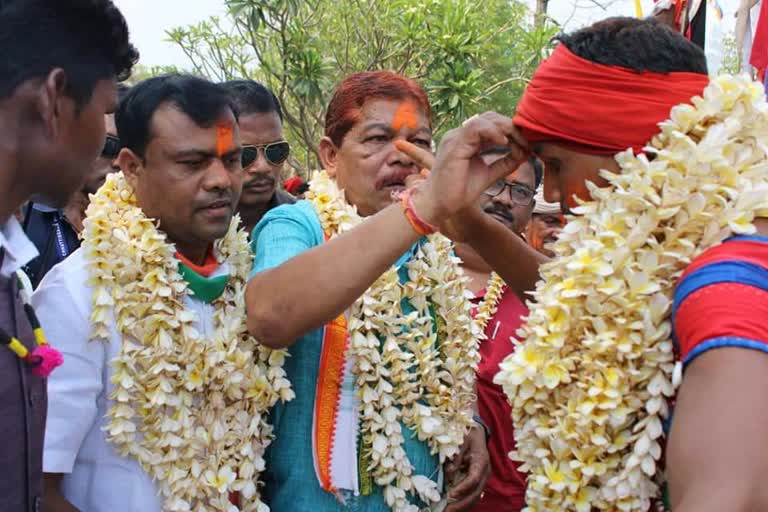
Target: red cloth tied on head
x=600 y=109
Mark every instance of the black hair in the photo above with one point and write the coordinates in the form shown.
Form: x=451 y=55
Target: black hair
x=538 y=170
x=251 y=97
x=637 y=44
x=201 y=100
x=88 y=39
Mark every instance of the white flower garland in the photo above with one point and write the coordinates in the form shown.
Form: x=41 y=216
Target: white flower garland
x=389 y=387
x=590 y=382
x=494 y=290
x=191 y=410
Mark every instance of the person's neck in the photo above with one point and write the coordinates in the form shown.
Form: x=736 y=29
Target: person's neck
x=196 y=253
x=12 y=191
x=474 y=267
x=251 y=215
x=761 y=224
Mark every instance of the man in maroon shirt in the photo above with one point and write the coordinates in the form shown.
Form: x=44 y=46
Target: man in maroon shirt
x=510 y=201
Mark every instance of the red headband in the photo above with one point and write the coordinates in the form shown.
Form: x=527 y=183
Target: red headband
x=600 y=109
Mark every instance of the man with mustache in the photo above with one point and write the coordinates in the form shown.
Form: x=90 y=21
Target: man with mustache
x=173 y=203
x=499 y=312
x=546 y=222
x=265 y=150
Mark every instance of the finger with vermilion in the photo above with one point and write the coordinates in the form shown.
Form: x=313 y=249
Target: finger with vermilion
x=482 y=133
x=423 y=157
x=509 y=163
x=508 y=127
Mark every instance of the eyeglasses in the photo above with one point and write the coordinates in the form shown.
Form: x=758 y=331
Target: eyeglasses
x=520 y=194
x=111 y=147
x=275 y=152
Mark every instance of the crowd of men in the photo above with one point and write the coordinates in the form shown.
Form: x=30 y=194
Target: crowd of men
x=196 y=153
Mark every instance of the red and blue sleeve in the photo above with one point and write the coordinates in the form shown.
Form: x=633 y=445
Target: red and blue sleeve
x=722 y=299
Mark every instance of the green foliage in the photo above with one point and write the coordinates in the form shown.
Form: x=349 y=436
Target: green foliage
x=470 y=56
x=141 y=72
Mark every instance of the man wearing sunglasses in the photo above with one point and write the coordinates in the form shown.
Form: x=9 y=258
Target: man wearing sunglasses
x=264 y=150
x=55 y=232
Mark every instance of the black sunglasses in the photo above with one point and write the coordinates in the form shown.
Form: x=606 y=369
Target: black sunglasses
x=111 y=147
x=520 y=194
x=275 y=152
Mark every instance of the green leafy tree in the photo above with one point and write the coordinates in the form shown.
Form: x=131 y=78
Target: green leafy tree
x=470 y=56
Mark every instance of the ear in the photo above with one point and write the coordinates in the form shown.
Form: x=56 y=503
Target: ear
x=132 y=166
x=328 y=155
x=51 y=98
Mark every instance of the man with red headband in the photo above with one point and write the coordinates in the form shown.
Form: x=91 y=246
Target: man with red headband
x=605 y=89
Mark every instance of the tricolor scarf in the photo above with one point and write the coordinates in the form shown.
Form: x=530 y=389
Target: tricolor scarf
x=198 y=277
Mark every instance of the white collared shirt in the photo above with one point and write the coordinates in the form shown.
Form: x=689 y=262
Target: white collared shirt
x=19 y=250
x=96 y=477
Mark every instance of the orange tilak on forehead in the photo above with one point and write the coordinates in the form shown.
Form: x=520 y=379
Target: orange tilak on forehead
x=407 y=114
x=224 y=139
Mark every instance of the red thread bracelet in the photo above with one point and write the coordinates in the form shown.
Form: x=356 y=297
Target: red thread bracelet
x=418 y=224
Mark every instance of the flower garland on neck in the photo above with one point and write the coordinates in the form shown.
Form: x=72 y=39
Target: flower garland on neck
x=490 y=303
x=405 y=367
x=590 y=382
x=191 y=409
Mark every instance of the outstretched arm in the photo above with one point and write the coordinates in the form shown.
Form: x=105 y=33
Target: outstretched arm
x=308 y=290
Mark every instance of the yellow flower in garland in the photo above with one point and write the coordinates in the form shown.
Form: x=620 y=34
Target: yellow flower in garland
x=191 y=410
x=590 y=381
x=435 y=398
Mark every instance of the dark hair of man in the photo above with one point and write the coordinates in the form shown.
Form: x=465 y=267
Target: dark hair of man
x=201 y=100
x=88 y=39
x=538 y=170
x=637 y=44
x=251 y=97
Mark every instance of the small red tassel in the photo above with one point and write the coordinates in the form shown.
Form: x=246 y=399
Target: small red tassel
x=45 y=359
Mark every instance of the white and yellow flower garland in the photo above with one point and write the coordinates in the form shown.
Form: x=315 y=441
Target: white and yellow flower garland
x=434 y=399
x=590 y=382
x=490 y=303
x=191 y=410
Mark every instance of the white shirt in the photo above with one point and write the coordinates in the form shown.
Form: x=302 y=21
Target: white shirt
x=19 y=250
x=96 y=477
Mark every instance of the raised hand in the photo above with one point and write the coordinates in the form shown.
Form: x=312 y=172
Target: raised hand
x=460 y=170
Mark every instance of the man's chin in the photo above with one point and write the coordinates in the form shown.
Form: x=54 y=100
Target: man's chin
x=256 y=196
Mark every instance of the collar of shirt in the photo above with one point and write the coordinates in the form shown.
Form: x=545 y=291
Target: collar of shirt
x=19 y=250
x=43 y=208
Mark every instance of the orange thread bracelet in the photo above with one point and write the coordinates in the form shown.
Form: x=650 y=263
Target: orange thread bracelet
x=418 y=224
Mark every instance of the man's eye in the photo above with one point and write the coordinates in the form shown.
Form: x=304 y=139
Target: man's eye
x=193 y=164
x=376 y=138
x=423 y=143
